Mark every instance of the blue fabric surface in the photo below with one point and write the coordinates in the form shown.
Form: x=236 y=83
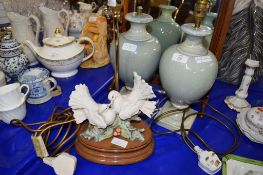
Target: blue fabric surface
x=170 y=156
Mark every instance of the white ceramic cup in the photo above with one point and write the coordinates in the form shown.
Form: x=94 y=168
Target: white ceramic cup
x=12 y=96
x=2 y=79
x=18 y=112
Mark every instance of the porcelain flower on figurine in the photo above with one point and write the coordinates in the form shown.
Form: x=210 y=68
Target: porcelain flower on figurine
x=113 y=119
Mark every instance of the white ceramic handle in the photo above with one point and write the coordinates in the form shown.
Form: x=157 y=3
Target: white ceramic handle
x=51 y=80
x=27 y=91
x=67 y=18
x=94 y=5
x=38 y=28
x=93 y=47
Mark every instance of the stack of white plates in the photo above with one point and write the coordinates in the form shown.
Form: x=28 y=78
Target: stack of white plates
x=2 y=79
x=250 y=122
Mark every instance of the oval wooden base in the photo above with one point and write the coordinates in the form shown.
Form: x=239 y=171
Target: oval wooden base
x=105 y=152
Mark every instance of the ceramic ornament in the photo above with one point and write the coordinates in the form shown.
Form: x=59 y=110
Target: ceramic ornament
x=118 y=114
x=63 y=164
x=96 y=29
x=114 y=133
x=239 y=101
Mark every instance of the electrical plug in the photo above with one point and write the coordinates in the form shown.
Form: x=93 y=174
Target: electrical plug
x=63 y=164
x=208 y=161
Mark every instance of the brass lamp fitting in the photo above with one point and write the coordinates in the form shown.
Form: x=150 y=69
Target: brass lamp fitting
x=201 y=7
x=57 y=31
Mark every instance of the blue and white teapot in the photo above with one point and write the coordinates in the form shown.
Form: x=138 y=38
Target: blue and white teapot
x=13 y=60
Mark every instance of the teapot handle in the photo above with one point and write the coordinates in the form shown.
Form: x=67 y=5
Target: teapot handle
x=93 y=47
x=38 y=28
x=67 y=18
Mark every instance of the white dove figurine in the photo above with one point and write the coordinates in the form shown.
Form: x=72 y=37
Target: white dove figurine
x=84 y=107
x=137 y=100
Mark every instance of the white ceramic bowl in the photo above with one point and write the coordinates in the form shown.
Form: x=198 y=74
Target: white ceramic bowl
x=16 y=113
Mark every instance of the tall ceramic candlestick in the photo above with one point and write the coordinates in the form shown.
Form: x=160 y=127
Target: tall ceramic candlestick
x=239 y=101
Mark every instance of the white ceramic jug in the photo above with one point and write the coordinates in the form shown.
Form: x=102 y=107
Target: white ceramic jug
x=22 y=31
x=53 y=19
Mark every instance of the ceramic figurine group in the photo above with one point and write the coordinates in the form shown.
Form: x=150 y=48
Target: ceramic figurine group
x=122 y=109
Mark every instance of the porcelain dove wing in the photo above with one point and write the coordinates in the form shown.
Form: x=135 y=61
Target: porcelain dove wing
x=137 y=100
x=84 y=107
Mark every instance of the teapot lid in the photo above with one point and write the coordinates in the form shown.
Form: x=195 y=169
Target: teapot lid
x=58 y=40
x=8 y=42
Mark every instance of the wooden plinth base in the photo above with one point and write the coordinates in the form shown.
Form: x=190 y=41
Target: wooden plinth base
x=105 y=152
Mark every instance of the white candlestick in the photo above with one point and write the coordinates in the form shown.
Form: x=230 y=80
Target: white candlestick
x=239 y=101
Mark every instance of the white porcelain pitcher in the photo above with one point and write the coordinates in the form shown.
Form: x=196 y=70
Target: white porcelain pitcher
x=22 y=31
x=22 y=27
x=53 y=19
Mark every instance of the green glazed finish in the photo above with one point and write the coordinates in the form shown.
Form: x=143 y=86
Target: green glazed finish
x=188 y=70
x=165 y=28
x=208 y=21
x=139 y=51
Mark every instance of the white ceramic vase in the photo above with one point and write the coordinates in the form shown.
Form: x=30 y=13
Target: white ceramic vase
x=188 y=70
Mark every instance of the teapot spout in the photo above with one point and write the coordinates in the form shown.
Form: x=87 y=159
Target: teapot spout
x=35 y=49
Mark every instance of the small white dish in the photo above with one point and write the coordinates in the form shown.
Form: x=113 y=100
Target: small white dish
x=251 y=134
x=18 y=112
x=236 y=165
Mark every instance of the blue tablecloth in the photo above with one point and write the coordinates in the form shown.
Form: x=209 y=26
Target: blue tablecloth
x=170 y=156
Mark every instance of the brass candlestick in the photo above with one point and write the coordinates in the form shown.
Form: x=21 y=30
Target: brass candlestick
x=201 y=7
x=116 y=33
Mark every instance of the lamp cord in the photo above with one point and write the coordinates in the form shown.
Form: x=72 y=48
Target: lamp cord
x=183 y=130
x=60 y=118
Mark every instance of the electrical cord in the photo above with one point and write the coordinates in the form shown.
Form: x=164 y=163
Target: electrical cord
x=60 y=118
x=183 y=130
